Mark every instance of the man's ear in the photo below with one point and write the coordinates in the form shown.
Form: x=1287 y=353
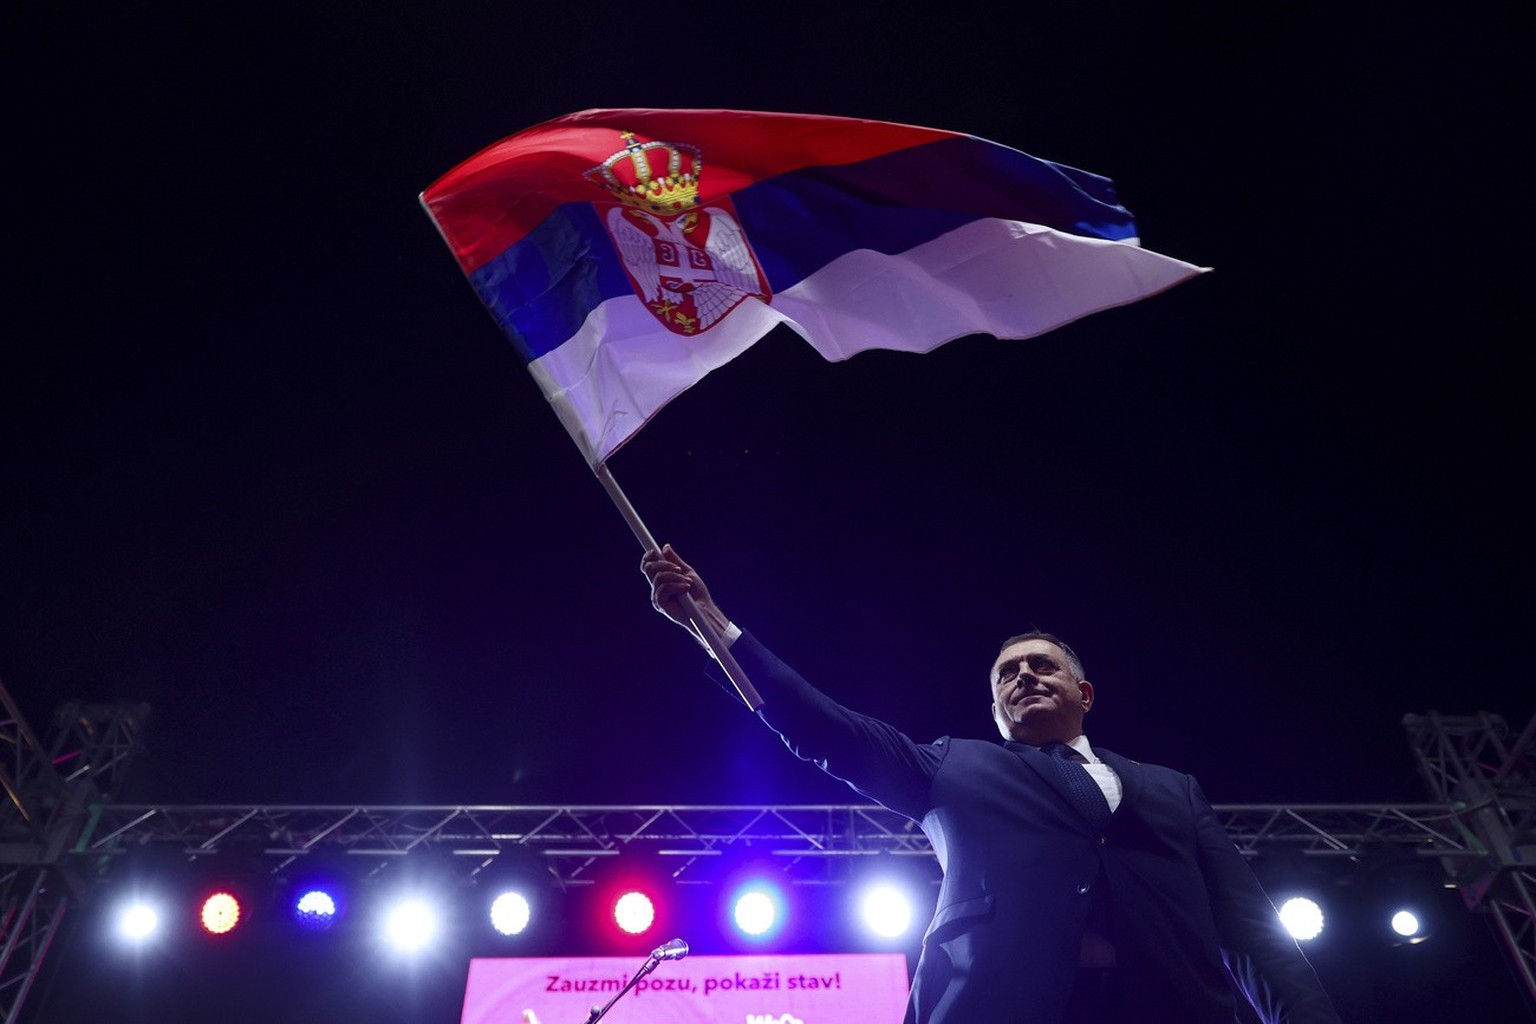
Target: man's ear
x=1001 y=722
x=1087 y=688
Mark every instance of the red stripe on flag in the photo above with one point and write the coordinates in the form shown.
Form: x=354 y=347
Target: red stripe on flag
x=497 y=196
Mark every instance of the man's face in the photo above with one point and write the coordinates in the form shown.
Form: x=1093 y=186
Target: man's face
x=1036 y=697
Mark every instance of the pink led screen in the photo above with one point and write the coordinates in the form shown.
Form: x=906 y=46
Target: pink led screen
x=821 y=988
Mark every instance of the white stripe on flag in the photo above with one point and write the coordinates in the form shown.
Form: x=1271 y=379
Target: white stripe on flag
x=1004 y=278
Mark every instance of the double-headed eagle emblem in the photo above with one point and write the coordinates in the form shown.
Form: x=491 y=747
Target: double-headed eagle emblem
x=690 y=265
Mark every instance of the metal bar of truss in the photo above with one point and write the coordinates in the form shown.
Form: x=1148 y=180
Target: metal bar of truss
x=695 y=830
x=1489 y=780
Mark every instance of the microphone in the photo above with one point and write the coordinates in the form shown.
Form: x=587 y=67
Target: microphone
x=674 y=950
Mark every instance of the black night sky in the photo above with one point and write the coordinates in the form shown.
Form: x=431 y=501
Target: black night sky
x=269 y=467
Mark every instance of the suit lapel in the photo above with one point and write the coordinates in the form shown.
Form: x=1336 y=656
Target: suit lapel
x=1132 y=778
x=1042 y=766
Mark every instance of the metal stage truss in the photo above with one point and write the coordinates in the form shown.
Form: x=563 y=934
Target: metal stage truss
x=52 y=795
x=817 y=843
x=63 y=831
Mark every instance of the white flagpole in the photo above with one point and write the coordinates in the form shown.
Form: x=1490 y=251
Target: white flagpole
x=701 y=625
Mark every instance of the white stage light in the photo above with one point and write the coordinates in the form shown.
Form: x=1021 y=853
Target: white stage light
x=410 y=925
x=1405 y=923
x=510 y=913
x=138 y=921
x=754 y=912
x=1302 y=917
x=886 y=911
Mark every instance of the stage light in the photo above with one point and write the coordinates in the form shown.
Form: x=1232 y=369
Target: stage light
x=223 y=891
x=1305 y=890
x=885 y=910
x=892 y=893
x=315 y=891
x=749 y=892
x=315 y=909
x=147 y=897
x=1411 y=924
x=756 y=911
x=632 y=895
x=1302 y=917
x=138 y=921
x=220 y=913
x=417 y=898
x=410 y=924
x=1403 y=893
x=634 y=912
x=518 y=893
x=510 y=913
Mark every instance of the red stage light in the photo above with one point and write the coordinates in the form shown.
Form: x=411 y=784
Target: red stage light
x=220 y=913
x=634 y=912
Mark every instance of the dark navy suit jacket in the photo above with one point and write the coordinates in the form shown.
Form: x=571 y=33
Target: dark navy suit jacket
x=1023 y=868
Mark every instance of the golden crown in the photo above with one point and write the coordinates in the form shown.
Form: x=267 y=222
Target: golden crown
x=662 y=177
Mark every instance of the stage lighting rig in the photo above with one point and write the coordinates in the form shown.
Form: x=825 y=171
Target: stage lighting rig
x=893 y=895
x=751 y=897
x=518 y=893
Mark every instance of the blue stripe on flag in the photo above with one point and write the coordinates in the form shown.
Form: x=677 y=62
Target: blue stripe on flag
x=541 y=290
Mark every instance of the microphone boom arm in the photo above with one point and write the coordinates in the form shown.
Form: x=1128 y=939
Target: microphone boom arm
x=674 y=950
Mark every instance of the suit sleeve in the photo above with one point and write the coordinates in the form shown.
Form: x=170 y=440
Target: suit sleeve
x=878 y=760
x=1260 y=954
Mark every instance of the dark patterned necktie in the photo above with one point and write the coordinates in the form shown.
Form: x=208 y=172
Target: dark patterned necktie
x=1087 y=797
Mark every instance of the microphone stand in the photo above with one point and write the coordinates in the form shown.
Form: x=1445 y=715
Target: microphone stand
x=651 y=963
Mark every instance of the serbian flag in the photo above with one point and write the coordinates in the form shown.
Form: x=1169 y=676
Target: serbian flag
x=627 y=253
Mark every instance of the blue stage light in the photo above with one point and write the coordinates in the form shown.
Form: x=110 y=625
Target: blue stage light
x=756 y=910
x=315 y=909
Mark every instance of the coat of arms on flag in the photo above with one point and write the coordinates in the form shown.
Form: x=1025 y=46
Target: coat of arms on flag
x=690 y=265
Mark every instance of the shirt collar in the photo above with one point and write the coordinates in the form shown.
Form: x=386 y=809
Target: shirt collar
x=1079 y=744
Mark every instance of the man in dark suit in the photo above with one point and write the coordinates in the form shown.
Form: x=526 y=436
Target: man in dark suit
x=1080 y=887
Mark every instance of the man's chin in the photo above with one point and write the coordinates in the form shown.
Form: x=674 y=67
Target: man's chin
x=1033 y=726
x=1031 y=734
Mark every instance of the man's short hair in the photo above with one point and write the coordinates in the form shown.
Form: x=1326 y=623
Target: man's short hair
x=1073 y=661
